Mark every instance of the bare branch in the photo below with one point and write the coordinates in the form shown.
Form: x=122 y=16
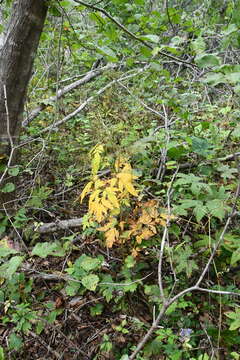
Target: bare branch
x=88 y=77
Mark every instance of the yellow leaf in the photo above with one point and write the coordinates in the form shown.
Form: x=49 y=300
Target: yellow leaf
x=115 y=212
x=86 y=190
x=96 y=163
x=111 y=190
x=107 y=204
x=121 y=225
x=139 y=239
x=94 y=197
x=113 y=182
x=119 y=163
x=112 y=197
x=167 y=217
x=145 y=218
x=99 y=212
x=135 y=252
x=147 y=233
x=125 y=180
x=98 y=149
x=96 y=160
x=106 y=227
x=112 y=236
x=98 y=184
x=162 y=222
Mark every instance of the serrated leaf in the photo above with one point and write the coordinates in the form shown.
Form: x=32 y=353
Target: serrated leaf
x=107 y=204
x=200 y=211
x=96 y=163
x=86 y=190
x=112 y=237
x=45 y=249
x=88 y=263
x=90 y=282
x=125 y=180
x=216 y=208
x=200 y=146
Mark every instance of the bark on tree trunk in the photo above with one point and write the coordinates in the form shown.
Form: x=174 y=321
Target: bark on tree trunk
x=16 y=60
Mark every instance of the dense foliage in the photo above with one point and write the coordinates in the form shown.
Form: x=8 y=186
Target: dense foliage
x=140 y=157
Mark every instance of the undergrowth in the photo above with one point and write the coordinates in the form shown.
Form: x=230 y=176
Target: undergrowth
x=151 y=169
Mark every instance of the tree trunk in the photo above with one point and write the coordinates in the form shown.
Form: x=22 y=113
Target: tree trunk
x=16 y=60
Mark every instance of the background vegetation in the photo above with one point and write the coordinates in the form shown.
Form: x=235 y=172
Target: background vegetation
x=124 y=240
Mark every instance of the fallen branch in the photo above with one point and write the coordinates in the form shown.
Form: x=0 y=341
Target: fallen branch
x=230 y=157
x=58 y=225
x=88 y=77
x=90 y=99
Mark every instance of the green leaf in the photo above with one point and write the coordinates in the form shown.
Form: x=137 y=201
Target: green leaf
x=233 y=78
x=214 y=79
x=5 y=251
x=150 y=37
x=13 y=171
x=88 y=263
x=183 y=262
x=44 y=249
x=234 y=316
x=38 y=195
x=90 y=282
x=96 y=310
x=200 y=146
x=207 y=60
x=72 y=288
x=198 y=45
x=230 y=29
x=9 y=187
x=15 y=342
x=10 y=267
x=188 y=203
x=236 y=132
x=124 y=357
x=200 y=211
x=105 y=50
x=130 y=261
x=235 y=257
x=217 y=208
x=227 y=172
x=68 y=3
x=1 y=353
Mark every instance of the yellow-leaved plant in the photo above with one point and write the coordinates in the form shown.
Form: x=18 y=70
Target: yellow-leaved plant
x=108 y=196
